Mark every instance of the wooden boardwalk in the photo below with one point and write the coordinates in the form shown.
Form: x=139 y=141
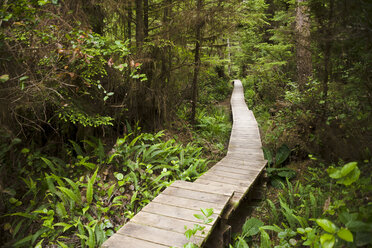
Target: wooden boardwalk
x=161 y=223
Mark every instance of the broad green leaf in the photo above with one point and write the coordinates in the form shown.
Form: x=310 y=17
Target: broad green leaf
x=251 y=227
x=272 y=228
x=199 y=216
x=241 y=243
x=327 y=225
x=350 y=178
x=347 y=168
x=345 y=235
x=268 y=155
x=327 y=240
x=334 y=173
x=286 y=172
x=207 y=211
x=282 y=154
x=265 y=239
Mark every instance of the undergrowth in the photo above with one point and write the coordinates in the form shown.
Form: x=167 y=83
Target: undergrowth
x=212 y=129
x=330 y=208
x=81 y=200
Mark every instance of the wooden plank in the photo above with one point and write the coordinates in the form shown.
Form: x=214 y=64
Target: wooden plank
x=249 y=154
x=240 y=170
x=184 y=202
x=175 y=212
x=242 y=164
x=239 y=189
x=248 y=150
x=120 y=241
x=218 y=178
x=155 y=235
x=200 y=196
x=249 y=177
x=243 y=146
x=199 y=188
x=166 y=223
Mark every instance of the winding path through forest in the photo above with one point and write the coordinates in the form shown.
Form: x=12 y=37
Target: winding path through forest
x=161 y=223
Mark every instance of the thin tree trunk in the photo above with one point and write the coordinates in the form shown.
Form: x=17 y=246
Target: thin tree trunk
x=140 y=35
x=303 y=53
x=199 y=26
x=327 y=57
x=146 y=17
x=129 y=22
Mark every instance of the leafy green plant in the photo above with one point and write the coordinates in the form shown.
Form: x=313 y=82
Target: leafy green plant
x=306 y=215
x=79 y=201
x=205 y=216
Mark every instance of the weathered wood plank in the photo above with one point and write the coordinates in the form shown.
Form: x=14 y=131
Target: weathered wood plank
x=155 y=235
x=166 y=223
x=218 y=178
x=175 y=212
x=237 y=189
x=238 y=170
x=200 y=196
x=199 y=188
x=121 y=241
x=178 y=201
x=249 y=177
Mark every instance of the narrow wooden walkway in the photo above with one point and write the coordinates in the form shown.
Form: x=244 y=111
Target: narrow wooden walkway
x=161 y=223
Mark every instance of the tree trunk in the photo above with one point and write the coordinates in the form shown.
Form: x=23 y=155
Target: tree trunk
x=140 y=35
x=303 y=53
x=129 y=22
x=199 y=26
x=328 y=34
x=146 y=18
x=96 y=16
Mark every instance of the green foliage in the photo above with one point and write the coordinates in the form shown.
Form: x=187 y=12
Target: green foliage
x=212 y=130
x=315 y=215
x=65 y=204
x=206 y=218
x=345 y=175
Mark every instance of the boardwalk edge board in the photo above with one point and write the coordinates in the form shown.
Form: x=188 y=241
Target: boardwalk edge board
x=161 y=223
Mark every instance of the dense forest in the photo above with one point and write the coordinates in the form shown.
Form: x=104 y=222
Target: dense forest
x=104 y=103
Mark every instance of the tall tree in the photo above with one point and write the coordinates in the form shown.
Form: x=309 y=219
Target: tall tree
x=198 y=39
x=140 y=25
x=302 y=36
